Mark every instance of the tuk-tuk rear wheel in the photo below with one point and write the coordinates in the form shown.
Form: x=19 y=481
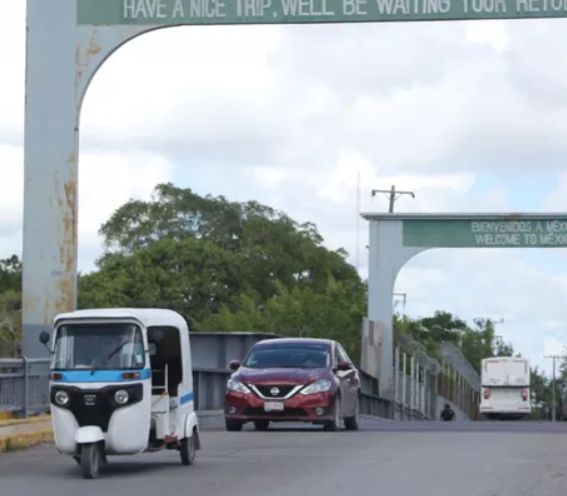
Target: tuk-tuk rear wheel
x=187 y=450
x=90 y=460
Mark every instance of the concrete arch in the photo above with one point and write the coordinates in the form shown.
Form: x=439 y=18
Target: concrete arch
x=386 y=257
x=96 y=44
x=61 y=62
x=391 y=247
x=63 y=54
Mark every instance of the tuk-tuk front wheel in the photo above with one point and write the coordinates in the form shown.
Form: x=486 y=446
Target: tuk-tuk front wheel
x=90 y=460
x=187 y=450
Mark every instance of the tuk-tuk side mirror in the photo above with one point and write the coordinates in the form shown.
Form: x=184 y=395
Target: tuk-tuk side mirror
x=234 y=365
x=44 y=338
x=152 y=349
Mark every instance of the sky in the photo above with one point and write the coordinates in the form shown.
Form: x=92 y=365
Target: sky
x=468 y=115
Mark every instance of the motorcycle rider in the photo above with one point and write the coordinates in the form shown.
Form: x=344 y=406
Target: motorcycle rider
x=447 y=414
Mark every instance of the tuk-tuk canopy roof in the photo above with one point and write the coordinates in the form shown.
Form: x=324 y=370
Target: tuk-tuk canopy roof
x=147 y=316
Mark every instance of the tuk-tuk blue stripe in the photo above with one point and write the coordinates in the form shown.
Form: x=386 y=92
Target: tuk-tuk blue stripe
x=186 y=398
x=101 y=375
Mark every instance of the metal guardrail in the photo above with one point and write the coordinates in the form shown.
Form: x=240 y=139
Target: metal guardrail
x=24 y=382
x=24 y=389
x=455 y=356
x=24 y=385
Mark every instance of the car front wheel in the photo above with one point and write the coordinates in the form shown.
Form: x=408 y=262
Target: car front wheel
x=261 y=425
x=233 y=425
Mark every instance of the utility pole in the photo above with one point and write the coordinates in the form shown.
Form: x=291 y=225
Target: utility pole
x=357 y=242
x=498 y=342
x=553 y=386
x=393 y=195
x=498 y=338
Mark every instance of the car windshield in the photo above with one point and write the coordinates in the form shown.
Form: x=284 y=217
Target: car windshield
x=308 y=356
x=98 y=346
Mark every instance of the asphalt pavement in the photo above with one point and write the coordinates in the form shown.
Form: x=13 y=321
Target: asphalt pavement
x=405 y=459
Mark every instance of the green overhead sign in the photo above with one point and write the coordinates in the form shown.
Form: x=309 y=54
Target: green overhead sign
x=218 y=12
x=478 y=233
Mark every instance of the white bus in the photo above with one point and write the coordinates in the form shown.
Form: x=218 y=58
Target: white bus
x=505 y=388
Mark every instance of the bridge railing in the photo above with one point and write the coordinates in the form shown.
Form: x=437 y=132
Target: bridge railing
x=24 y=389
x=24 y=382
x=24 y=385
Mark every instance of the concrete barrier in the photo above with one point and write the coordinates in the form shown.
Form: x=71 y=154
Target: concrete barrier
x=22 y=433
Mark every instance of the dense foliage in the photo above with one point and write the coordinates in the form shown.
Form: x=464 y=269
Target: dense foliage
x=229 y=266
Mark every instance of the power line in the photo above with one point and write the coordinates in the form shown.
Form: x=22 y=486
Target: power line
x=392 y=195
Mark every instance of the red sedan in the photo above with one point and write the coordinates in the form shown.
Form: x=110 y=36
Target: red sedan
x=293 y=380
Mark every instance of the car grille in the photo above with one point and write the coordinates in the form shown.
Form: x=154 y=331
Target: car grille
x=288 y=412
x=267 y=391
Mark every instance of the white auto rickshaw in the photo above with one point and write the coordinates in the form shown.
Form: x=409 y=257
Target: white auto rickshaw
x=121 y=383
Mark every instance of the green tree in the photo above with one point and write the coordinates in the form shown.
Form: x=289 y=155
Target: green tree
x=193 y=277
x=335 y=313
x=476 y=341
x=10 y=323
x=404 y=325
x=198 y=255
x=10 y=305
x=10 y=274
x=275 y=248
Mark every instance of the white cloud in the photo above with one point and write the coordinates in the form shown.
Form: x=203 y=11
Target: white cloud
x=554 y=347
x=106 y=181
x=291 y=115
x=556 y=201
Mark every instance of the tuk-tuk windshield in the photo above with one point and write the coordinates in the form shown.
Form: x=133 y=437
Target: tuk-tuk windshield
x=99 y=346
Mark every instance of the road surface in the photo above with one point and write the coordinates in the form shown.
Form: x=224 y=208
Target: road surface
x=425 y=459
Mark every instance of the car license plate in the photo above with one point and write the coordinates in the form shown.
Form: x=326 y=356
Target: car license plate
x=273 y=406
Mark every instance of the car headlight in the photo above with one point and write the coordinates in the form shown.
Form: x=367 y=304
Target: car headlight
x=317 y=387
x=61 y=398
x=121 y=397
x=236 y=386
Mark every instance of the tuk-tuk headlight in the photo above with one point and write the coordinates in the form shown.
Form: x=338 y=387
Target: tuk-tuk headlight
x=121 y=396
x=61 y=398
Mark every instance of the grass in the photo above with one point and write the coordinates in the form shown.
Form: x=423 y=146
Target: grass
x=18 y=442
x=11 y=445
x=29 y=420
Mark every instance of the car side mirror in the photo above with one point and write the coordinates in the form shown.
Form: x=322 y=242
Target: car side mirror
x=343 y=366
x=234 y=365
x=152 y=349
